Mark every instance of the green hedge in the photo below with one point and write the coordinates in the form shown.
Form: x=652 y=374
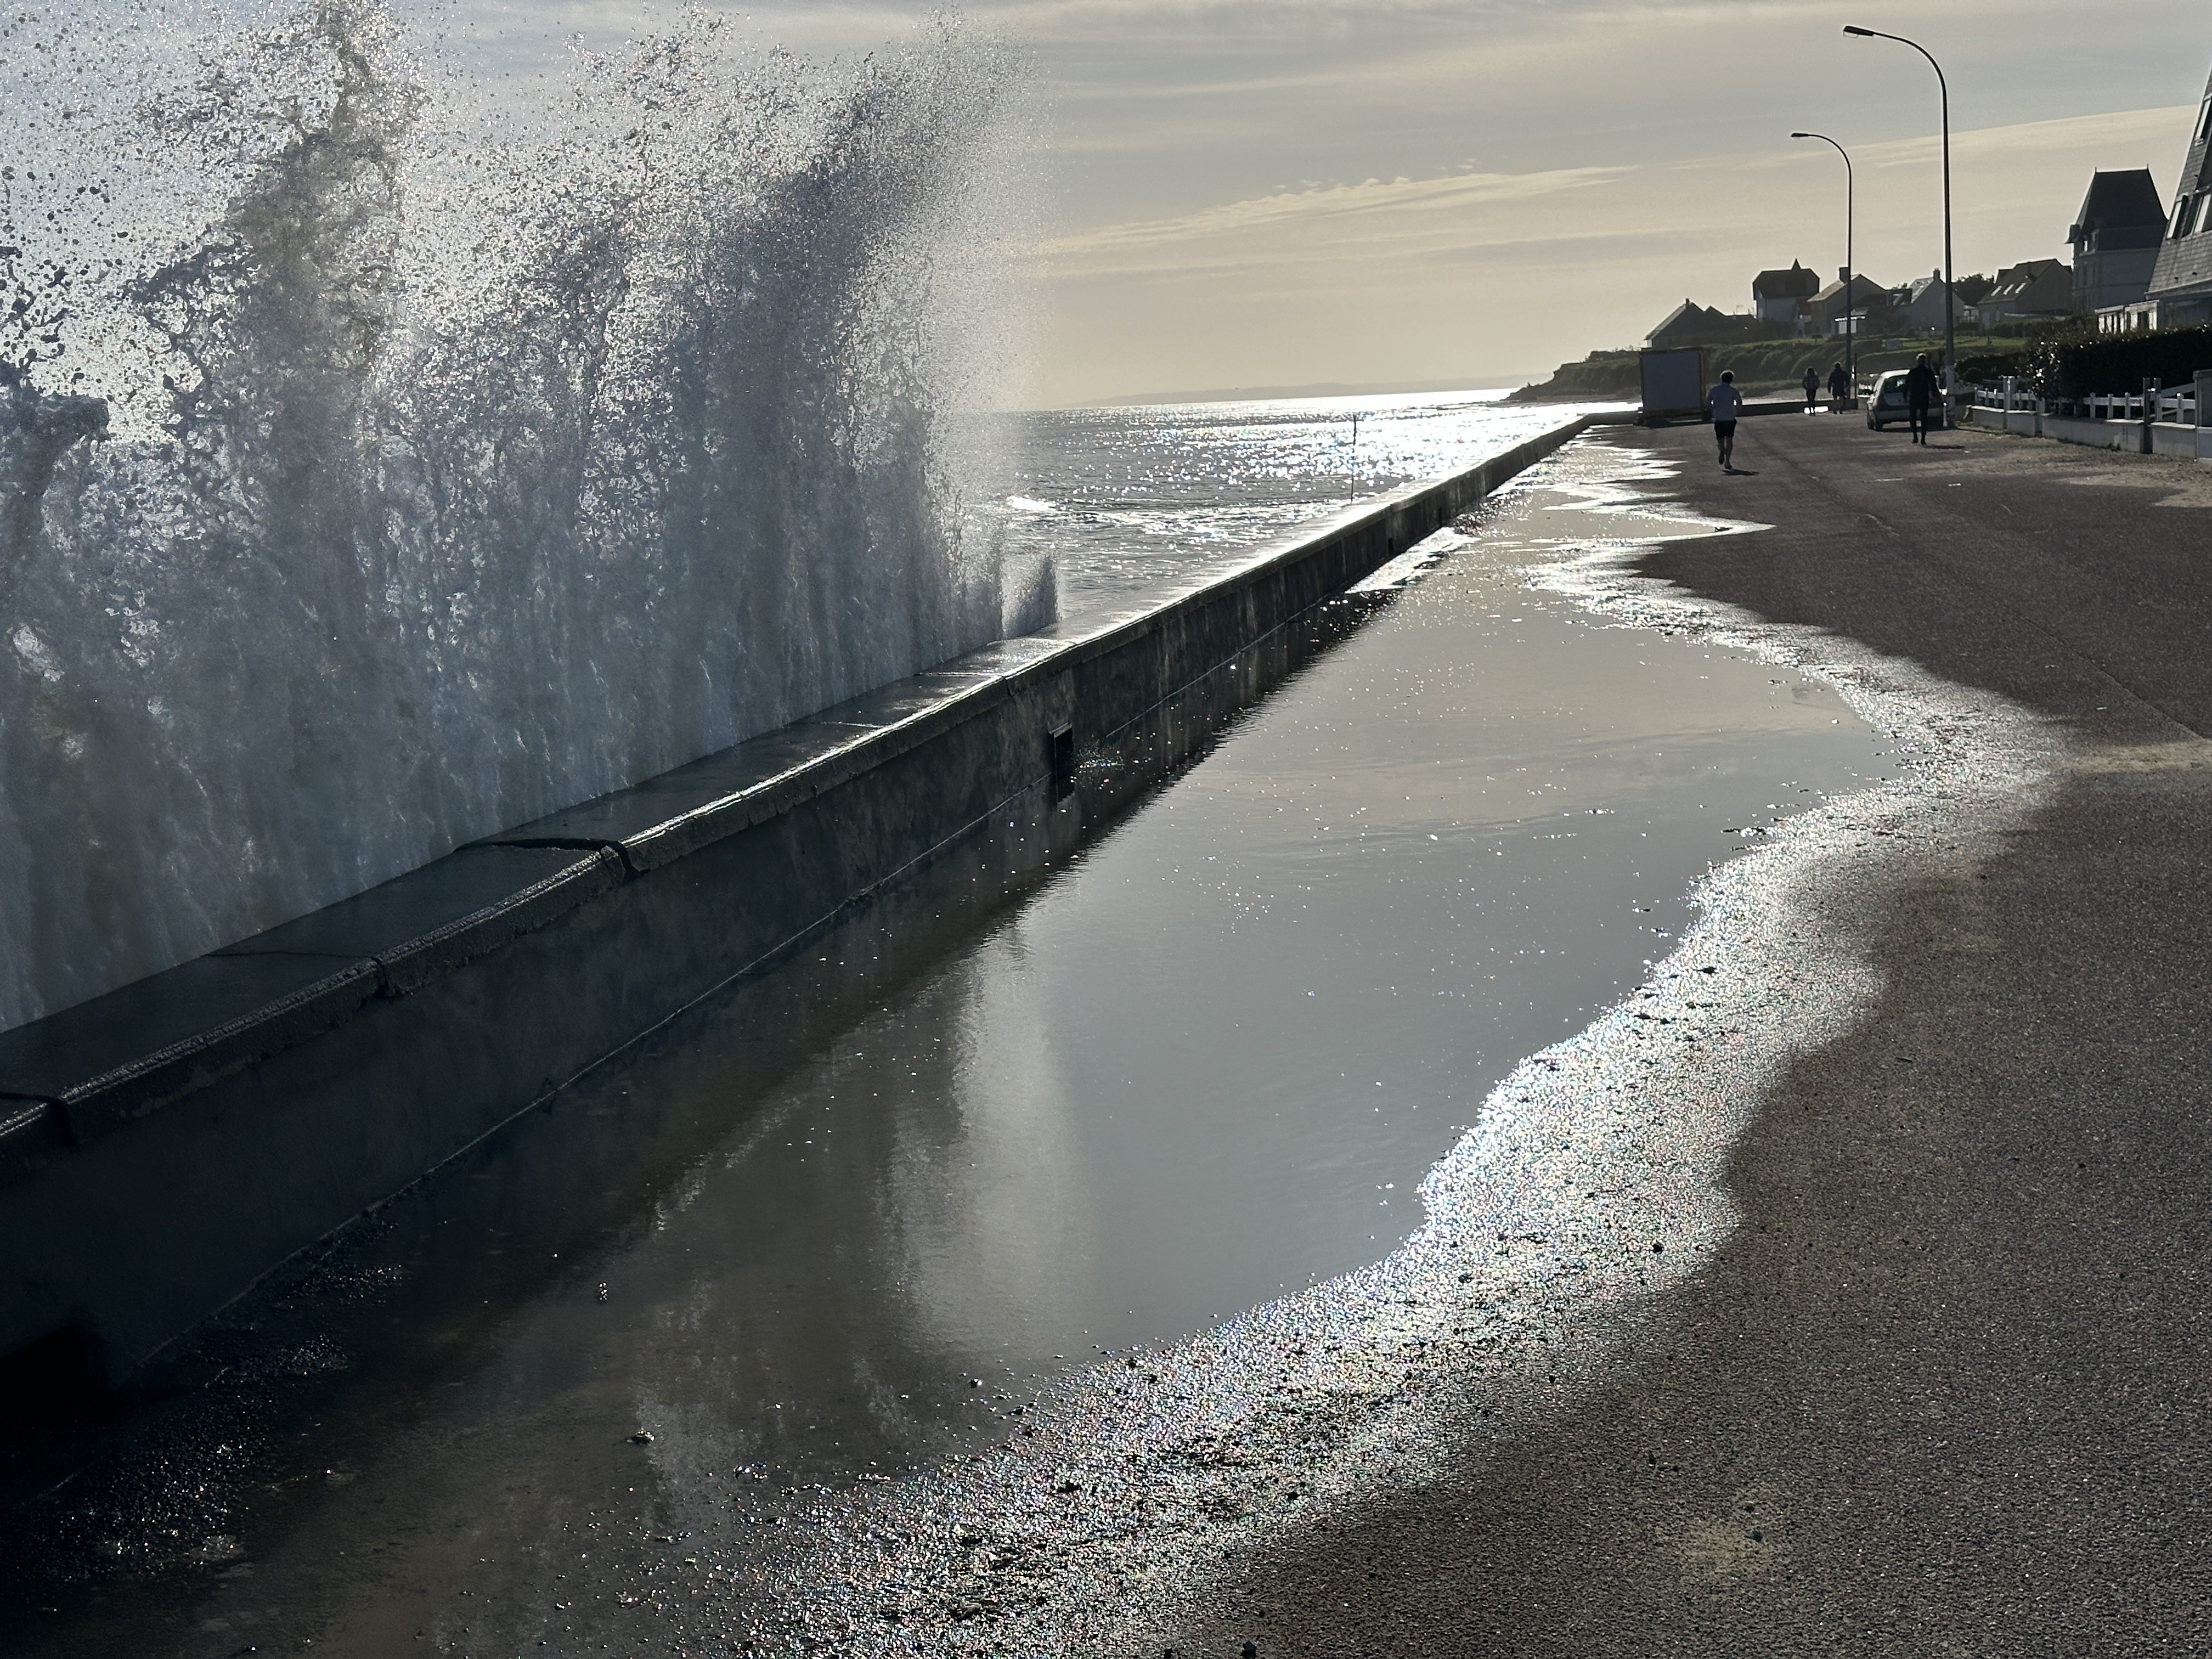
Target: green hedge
x=2118 y=362
x=1990 y=367
x=1760 y=365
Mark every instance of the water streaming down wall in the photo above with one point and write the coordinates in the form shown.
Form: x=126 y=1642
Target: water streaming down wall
x=453 y=473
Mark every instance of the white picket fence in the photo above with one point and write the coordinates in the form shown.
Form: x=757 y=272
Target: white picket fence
x=2174 y=403
x=2152 y=422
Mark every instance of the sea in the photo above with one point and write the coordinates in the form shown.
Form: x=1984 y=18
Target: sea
x=1123 y=498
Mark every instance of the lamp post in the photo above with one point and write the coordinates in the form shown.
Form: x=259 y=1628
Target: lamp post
x=1850 y=270
x=1950 y=324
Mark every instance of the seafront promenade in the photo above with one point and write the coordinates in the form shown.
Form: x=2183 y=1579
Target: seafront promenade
x=1942 y=1390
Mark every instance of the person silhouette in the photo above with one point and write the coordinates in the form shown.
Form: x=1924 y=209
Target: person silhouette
x=1919 y=392
x=1726 y=403
x=1839 y=388
x=1812 y=385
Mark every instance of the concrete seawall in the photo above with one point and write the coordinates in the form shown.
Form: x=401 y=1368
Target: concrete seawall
x=164 y=1146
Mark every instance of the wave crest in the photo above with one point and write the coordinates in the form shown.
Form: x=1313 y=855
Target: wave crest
x=460 y=470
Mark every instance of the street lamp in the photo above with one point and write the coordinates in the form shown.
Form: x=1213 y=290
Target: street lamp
x=1950 y=325
x=1850 y=270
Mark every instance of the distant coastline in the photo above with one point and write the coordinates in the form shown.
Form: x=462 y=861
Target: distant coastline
x=1245 y=394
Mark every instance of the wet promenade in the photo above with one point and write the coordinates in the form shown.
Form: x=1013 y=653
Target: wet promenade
x=1942 y=1390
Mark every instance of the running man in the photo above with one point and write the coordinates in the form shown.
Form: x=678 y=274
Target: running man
x=1726 y=403
x=1919 y=392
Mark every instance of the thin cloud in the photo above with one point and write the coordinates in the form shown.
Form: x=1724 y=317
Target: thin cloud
x=1328 y=213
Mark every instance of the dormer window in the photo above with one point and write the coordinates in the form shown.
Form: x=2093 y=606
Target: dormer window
x=2184 y=214
x=2204 y=124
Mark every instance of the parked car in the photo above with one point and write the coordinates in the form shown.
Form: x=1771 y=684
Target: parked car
x=1886 y=404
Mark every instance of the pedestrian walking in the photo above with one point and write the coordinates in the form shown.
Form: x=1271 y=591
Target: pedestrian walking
x=1920 y=389
x=1726 y=403
x=1839 y=389
x=1812 y=385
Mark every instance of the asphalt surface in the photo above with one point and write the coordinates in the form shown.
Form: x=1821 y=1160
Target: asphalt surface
x=1944 y=1390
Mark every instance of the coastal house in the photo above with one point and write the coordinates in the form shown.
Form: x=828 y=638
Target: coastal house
x=1780 y=297
x=1692 y=323
x=1921 y=305
x=2116 y=238
x=1847 y=306
x=2180 y=291
x=2037 y=288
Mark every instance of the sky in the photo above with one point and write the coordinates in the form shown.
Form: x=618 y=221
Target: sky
x=1268 y=194
x=1284 y=194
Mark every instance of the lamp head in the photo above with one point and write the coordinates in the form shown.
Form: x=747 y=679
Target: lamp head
x=1852 y=28
x=1801 y=135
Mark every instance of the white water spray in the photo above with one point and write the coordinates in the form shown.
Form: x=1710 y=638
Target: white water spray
x=447 y=482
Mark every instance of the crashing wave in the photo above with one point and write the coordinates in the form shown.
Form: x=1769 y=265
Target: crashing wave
x=449 y=470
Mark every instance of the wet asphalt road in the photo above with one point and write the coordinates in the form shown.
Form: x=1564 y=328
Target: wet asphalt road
x=1945 y=1390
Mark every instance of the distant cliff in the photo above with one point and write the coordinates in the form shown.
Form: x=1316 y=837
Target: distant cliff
x=1601 y=377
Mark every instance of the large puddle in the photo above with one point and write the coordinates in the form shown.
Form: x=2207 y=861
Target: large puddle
x=840 y=1226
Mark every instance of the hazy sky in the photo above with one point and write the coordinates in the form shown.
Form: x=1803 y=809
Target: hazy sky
x=1268 y=192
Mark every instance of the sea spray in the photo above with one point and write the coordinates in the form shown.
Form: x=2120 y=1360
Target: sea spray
x=448 y=469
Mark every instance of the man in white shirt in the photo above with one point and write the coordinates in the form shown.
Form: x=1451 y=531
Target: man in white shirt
x=1725 y=402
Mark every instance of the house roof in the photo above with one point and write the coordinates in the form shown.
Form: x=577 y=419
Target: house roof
x=1708 y=325
x=1864 y=287
x=2036 y=285
x=2119 y=202
x=2013 y=280
x=2183 y=267
x=1795 y=283
x=1688 y=314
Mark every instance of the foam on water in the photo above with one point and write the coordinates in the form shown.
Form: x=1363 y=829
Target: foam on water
x=379 y=470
